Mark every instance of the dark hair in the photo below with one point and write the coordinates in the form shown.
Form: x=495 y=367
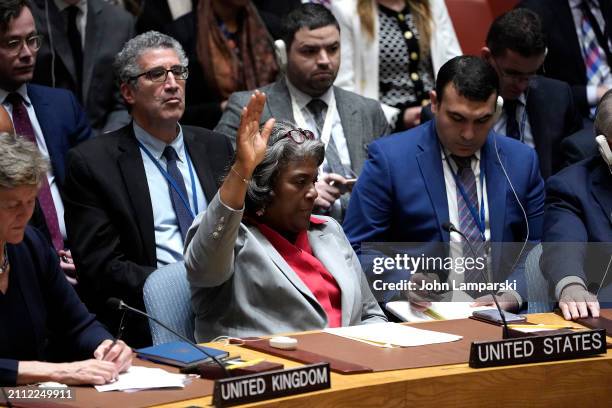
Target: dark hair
x=519 y=30
x=309 y=15
x=603 y=116
x=473 y=78
x=9 y=9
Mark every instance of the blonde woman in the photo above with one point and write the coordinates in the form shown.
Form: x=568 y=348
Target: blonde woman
x=392 y=50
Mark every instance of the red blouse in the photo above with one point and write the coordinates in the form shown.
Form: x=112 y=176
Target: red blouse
x=312 y=272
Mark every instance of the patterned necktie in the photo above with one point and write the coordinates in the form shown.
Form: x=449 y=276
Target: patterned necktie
x=23 y=127
x=183 y=215
x=74 y=38
x=596 y=69
x=467 y=222
x=512 y=127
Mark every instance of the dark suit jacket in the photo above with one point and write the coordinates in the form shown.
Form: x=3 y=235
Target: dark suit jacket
x=400 y=195
x=362 y=118
x=578 y=211
x=552 y=117
x=108 y=28
x=110 y=218
x=62 y=328
x=64 y=125
x=564 y=59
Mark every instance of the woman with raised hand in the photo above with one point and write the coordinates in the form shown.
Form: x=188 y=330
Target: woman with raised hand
x=257 y=261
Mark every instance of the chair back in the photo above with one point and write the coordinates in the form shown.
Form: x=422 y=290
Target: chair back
x=167 y=298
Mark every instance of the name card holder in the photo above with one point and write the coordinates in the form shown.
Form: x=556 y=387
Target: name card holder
x=537 y=348
x=271 y=384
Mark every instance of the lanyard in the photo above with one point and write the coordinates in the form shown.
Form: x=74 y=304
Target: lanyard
x=172 y=182
x=478 y=216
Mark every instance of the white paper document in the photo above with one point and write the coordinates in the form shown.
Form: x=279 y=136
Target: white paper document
x=392 y=334
x=437 y=311
x=140 y=378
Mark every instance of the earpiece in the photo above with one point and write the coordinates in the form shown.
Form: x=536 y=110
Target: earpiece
x=280 y=49
x=604 y=149
x=499 y=108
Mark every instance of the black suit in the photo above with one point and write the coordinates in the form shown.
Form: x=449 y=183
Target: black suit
x=552 y=117
x=110 y=218
x=107 y=30
x=564 y=59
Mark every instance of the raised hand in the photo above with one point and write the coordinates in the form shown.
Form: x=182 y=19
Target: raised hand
x=251 y=144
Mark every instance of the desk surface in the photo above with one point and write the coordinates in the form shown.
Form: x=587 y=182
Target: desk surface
x=581 y=382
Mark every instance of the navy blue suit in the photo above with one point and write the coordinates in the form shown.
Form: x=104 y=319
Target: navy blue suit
x=41 y=316
x=64 y=124
x=400 y=195
x=578 y=211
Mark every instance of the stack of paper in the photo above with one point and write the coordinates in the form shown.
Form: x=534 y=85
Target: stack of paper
x=392 y=334
x=141 y=378
x=437 y=311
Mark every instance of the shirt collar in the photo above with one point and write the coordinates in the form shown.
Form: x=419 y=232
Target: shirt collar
x=22 y=90
x=62 y=5
x=156 y=146
x=447 y=153
x=302 y=99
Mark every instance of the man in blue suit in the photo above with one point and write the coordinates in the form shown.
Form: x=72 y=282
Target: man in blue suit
x=453 y=169
x=52 y=118
x=578 y=220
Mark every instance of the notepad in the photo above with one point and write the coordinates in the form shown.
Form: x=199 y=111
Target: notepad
x=437 y=311
x=392 y=334
x=179 y=354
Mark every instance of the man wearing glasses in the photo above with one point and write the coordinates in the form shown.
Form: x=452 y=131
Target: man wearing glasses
x=132 y=194
x=51 y=118
x=538 y=111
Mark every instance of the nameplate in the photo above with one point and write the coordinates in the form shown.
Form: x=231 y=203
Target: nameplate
x=536 y=349
x=271 y=384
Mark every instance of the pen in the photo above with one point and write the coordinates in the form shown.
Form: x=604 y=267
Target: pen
x=119 y=334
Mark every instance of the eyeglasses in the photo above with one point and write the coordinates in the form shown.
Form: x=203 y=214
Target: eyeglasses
x=515 y=76
x=160 y=74
x=298 y=135
x=15 y=46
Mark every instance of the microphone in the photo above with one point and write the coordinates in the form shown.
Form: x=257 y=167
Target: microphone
x=118 y=304
x=450 y=227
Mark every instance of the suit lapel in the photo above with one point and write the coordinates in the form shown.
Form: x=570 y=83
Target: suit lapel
x=496 y=189
x=284 y=267
x=46 y=119
x=326 y=250
x=279 y=101
x=135 y=179
x=352 y=127
x=600 y=180
x=201 y=161
x=430 y=164
x=58 y=28
x=94 y=32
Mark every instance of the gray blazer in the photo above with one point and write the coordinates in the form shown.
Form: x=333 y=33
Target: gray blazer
x=362 y=118
x=241 y=286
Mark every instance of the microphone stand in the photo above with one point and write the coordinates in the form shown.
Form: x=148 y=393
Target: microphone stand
x=448 y=226
x=119 y=304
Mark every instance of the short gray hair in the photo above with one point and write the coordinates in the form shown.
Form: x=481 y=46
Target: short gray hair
x=281 y=151
x=21 y=163
x=126 y=62
x=603 y=117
